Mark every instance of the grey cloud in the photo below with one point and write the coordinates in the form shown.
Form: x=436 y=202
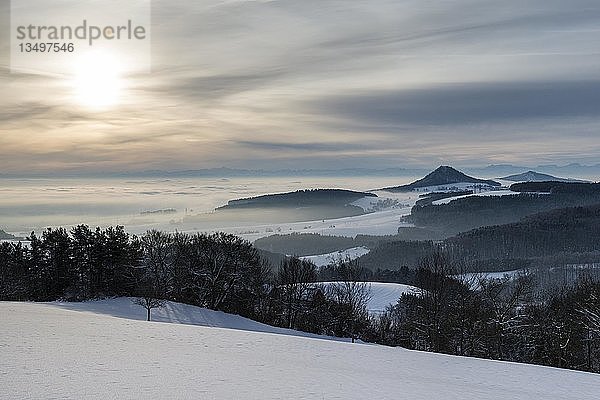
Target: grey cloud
x=206 y=89
x=285 y=71
x=24 y=112
x=466 y=103
x=310 y=147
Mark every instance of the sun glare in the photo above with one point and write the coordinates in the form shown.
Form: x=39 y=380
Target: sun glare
x=97 y=82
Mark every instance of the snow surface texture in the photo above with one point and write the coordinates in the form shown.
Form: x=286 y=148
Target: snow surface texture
x=49 y=352
x=322 y=260
x=179 y=313
x=386 y=294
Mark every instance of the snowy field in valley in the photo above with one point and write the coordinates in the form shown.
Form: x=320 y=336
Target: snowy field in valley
x=489 y=193
x=49 y=352
x=377 y=223
x=386 y=294
x=131 y=202
x=31 y=204
x=383 y=295
x=386 y=221
x=322 y=260
x=454 y=187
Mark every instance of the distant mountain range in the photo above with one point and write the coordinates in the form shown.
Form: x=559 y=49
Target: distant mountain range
x=443 y=176
x=573 y=169
x=533 y=176
x=226 y=172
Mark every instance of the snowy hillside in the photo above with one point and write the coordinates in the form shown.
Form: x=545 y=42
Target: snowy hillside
x=384 y=294
x=179 y=313
x=52 y=352
x=490 y=193
x=321 y=260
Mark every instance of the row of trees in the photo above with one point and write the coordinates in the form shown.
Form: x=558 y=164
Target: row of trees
x=502 y=319
x=217 y=271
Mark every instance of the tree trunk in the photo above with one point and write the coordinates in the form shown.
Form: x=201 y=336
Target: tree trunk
x=148 y=309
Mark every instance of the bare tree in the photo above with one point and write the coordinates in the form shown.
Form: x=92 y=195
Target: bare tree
x=351 y=293
x=295 y=279
x=149 y=302
x=589 y=312
x=505 y=296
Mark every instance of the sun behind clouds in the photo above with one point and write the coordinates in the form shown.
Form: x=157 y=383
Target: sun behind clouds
x=97 y=81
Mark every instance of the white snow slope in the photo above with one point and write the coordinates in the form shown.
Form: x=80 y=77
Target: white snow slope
x=48 y=352
x=384 y=294
x=490 y=193
x=179 y=313
x=321 y=260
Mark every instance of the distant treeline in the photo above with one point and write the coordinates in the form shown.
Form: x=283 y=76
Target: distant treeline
x=469 y=213
x=554 y=238
x=308 y=244
x=566 y=230
x=300 y=198
x=427 y=199
x=557 y=187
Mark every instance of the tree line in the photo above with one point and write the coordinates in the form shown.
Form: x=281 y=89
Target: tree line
x=218 y=271
x=468 y=213
x=565 y=235
x=502 y=319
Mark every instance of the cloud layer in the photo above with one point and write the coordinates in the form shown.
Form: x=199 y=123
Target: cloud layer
x=329 y=84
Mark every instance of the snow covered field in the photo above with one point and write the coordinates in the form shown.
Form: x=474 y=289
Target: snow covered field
x=383 y=222
x=490 y=193
x=179 y=313
x=322 y=260
x=454 y=187
x=384 y=294
x=49 y=352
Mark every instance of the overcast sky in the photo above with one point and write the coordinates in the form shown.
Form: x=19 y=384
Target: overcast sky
x=329 y=84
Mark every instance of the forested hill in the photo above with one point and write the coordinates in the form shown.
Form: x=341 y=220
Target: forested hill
x=567 y=230
x=443 y=175
x=557 y=187
x=469 y=213
x=300 y=198
x=568 y=235
x=533 y=176
x=307 y=244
